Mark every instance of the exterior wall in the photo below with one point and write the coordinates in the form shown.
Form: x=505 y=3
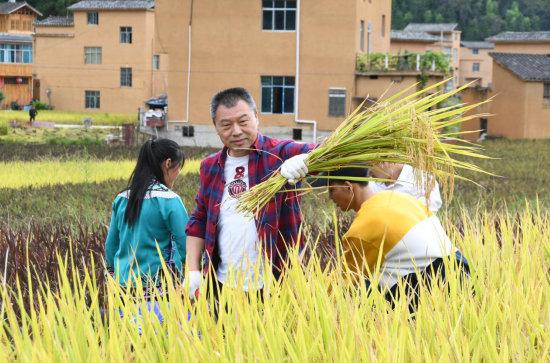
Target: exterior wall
x=411 y=46
x=222 y=58
x=468 y=58
x=509 y=105
x=373 y=12
x=472 y=95
x=523 y=47
x=64 y=78
x=537 y=115
x=19 y=22
x=20 y=93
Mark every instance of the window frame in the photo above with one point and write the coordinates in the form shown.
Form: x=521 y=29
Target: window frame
x=273 y=9
x=126 y=77
x=94 y=99
x=546 y=92
x=284 y=89
x=335 y=93
x=476 y=65
x=92 y=18
x=16 y=53
x=126 y=36
x=156 y=62
x=98 y=55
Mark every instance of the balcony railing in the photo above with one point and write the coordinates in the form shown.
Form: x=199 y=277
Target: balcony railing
x=411 y=62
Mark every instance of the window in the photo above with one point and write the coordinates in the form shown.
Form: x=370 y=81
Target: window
x=277 y=94
x=125 y=77
x=483 y=126
x=92 y=55
x=156 y=62
x=279 y=15
x=455 y=55
x=92 y=99
x=93 y=18
x=16 y=53
x=546 y=94
x=297 y=134
x=475 y=67
x=126 y=34
x=383 y=25
x=16 y=80
x=362 y=36
x=475 y=50
x=188 y=131
x=337 y=102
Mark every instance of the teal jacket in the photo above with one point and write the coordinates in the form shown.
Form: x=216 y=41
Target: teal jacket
x=131 y=251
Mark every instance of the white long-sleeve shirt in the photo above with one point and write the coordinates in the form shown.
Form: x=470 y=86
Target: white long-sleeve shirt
x=406 y=183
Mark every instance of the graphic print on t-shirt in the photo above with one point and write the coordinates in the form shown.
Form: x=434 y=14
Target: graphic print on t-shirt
x=237 y=186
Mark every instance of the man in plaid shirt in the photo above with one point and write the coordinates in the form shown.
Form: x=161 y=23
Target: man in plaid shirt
x=236 y=244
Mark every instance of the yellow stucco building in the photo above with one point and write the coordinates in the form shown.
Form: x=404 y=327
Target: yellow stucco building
x=100 y=59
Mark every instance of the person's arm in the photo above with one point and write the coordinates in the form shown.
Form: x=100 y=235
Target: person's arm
x=196 y=230
x=112 y=242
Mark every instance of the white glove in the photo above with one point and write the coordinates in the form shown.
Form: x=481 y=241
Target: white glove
x=295 y=168
x=194 y=280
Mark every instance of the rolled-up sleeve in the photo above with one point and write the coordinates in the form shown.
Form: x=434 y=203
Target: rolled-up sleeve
x=196 y=227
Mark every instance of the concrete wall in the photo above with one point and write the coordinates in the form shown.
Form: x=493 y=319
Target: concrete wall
x=59 y=61
x=468 y=58
x=537 y=115
x=509 y=105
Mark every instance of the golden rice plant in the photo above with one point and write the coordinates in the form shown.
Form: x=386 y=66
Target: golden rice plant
x=407 y=129
x=313 y=315
x=19 y=174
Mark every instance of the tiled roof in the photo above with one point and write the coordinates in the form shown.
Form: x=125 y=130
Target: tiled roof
x=55 y=21
x=478 y=45
x=520 y=37
x=15 y=38
x=9 y=7
x=113 y=5
x=431 y=27
x=404 y=35
x=528 y=67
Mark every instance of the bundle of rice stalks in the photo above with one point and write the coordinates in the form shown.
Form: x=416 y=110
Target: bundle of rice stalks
x=408 y=129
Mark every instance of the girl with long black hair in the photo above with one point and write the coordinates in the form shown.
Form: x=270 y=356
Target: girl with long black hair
x=148 y=214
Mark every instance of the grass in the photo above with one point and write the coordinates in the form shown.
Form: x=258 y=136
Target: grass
x=55 y=136
x=76 y=118
x=51 y=312
x=312 y=315
x=46 y=173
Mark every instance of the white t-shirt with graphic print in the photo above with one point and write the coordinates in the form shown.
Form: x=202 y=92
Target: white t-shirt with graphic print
x=237 y=234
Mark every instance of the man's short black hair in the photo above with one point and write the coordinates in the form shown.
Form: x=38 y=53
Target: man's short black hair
x=350 y=172
x=229 y=98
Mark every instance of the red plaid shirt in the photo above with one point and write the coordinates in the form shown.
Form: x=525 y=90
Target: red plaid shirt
x=279 y=221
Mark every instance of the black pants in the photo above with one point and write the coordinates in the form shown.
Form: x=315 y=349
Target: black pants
x=216 y=289
x=427 y=277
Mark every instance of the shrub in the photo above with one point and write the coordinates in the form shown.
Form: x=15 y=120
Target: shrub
x=39 y=105
x=14 y=105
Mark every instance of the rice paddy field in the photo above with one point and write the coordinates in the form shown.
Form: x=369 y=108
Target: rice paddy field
x=56 y=304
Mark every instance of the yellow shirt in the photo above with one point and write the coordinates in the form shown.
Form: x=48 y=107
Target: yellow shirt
x=400 y=231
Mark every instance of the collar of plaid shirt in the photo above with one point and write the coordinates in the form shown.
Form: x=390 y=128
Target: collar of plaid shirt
x=279 y=221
